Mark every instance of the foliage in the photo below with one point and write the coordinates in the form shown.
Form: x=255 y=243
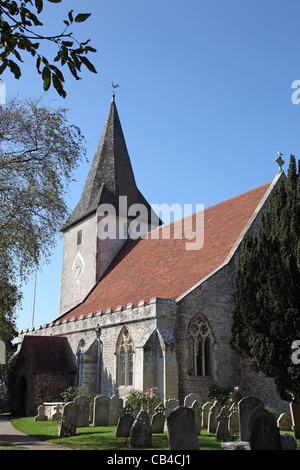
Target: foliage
x=224 y=395
x=72 y=392
x=39 y=150
x=19 y=23
x=142 y=400
x=266 y=319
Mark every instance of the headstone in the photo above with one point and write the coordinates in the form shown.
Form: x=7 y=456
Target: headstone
x=115 y=410
x=101 y=411
x=125 y=422
x=197 y=411
x=245 y=407
x=141 y=432
x=295 y=412
x=288 y=442
x=41 y=414
x=222 y=431
x=57 y=415
x=189 y=400
x=233 y=418
x=212 y=415
x=182 y=430
x=263 y=431
x=83 y=404
x=171 y=404
x=67 y=426
x=284 y=422
x=205 y=410
x=158 y=419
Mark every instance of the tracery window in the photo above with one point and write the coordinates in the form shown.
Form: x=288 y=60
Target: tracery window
x=125 y=358
x=199 y=344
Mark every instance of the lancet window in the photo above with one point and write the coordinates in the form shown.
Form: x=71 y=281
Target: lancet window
x=199 y=345
x=125 y=358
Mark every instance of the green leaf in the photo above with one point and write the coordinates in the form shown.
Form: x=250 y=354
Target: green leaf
x=82 y=17
x=46 y=75
x=39 y=5
x=14 y=68
x=88 y=64
x=58 y=86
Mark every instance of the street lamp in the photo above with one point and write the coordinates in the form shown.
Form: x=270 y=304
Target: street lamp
x=98 y=334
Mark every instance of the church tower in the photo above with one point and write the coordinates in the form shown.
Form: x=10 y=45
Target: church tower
x=99 y=225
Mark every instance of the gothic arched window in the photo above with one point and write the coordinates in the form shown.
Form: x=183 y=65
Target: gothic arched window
x=199 y=344
x=125 y=358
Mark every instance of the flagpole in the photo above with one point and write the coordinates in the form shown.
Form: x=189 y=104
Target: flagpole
x=33 y=305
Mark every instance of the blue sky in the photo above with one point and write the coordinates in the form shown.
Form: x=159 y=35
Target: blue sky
x=204 y=100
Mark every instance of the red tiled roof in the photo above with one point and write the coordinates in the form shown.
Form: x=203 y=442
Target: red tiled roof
x=49 y=353
x=164 y=268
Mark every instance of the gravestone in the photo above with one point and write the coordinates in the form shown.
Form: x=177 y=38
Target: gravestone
x=245 y=407
x=182 y=430
x=212 y=415
x=83 y=404
x=41 y=414
x=295 y=413
x=263 y=430
x=125 y=422
x=67 y=426
x=171 y=404
x=158 y=419
x=222 y=431
x=101 y=410
x=197 y=411
x=233 y=418
x=115 y=410
x=288 y=442
x=189 y=400
x=284 y=422
x=205 y=410
x=57 y=415
x=141 y=431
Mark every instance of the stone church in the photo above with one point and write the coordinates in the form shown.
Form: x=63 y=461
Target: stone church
x=141 y=310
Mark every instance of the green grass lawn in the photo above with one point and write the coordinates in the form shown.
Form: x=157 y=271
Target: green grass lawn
x=99 y=438
x=102 y=438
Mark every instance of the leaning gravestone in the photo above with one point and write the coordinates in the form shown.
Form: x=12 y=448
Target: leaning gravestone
x=158 y=419
x=41 y=414
x=182 y=430
x=189 y=400
x=263 y=431
x=125 y=422
x=141 y=431
x=245 y=407
x=83 y=404
x=101 y=410
x=67 y=426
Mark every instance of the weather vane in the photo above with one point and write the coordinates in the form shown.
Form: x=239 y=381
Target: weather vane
x=114 y=87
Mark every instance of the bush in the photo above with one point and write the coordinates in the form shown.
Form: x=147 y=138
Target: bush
x=142 y=400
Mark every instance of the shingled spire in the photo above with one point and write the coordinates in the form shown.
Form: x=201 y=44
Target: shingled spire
x=110 y=175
